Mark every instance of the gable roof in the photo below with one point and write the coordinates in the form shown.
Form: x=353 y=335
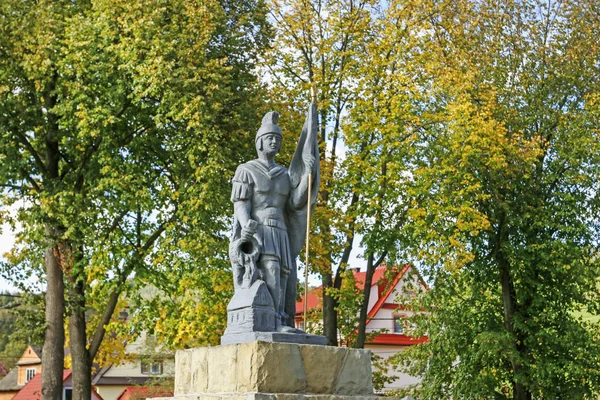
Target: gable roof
x=315 y=296
x=37 y=352
x=390 y=289
x=10 y=382
x=33 y=389
x=100 y=379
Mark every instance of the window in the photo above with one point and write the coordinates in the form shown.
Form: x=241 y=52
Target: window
x=152 y=368
x=398 y=325
x=301 y=325
x=68 y=394
x=29 y=373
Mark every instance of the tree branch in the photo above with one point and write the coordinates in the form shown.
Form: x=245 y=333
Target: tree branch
x=31 y=180
x=114 y=296
x=38 y=161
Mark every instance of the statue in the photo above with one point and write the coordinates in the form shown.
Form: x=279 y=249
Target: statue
x=270 y=221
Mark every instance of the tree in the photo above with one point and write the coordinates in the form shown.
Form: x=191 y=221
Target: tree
x=112 y=119
x=324 y=42
x=380 y=140
x=507 y=168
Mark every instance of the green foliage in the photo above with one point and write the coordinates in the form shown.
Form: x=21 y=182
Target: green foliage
x=470 y=146
x=319 y=42
x=349 y=301
x=8 y=349
x=121 y=123
x=381 y=375
x=157 y=386
x=328 y=44
x=21 y=324
x=505 y=197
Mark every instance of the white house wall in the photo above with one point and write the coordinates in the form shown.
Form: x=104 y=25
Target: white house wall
x=384 y=319
x=402 y=380
x=373 y=297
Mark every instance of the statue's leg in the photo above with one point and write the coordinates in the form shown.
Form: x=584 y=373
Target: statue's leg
x=285 y=272
x=271 y=273
x=291 y=293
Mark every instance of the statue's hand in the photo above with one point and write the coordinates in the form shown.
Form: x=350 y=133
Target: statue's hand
x=309 y=162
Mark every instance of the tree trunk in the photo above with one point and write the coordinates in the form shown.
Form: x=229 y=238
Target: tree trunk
x=329 y=313
x=362 y=321
x=519 y=390
x=80 y=357
x=509 y=305
x=53 y=353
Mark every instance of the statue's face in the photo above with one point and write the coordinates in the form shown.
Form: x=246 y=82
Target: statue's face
x=271 y=143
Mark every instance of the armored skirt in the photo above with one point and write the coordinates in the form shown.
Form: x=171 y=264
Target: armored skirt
x=275 y=242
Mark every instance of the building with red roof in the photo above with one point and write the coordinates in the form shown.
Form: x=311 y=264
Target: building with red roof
x=33 y=389
x=29 y=365
x=385 y=314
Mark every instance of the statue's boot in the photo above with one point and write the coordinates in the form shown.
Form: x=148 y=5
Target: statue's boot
x=282 y=327
x=288 y=329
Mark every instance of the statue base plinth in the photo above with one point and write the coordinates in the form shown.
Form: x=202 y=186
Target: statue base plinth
x=273 y=371
x=280 y=337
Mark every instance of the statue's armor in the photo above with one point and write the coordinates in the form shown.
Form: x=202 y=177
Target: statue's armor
x=270 y=198
x=268 y=192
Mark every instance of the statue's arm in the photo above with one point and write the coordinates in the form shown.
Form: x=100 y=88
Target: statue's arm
x=241 y=196
x=242 y=210
x=299 y=195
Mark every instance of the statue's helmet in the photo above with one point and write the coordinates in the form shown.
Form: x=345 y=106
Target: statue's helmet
x=269 y=125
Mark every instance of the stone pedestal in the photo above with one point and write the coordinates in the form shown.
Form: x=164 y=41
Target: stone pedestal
x=273 y=371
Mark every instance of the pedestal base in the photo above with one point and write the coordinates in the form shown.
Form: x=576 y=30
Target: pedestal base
x=273 y=371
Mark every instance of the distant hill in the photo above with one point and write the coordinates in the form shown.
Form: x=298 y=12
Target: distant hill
x=11 y=348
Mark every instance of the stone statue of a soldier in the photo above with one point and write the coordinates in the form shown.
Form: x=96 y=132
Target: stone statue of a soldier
x=270 y=217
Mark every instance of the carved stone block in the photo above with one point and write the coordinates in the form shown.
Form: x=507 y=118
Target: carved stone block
x=274 y=371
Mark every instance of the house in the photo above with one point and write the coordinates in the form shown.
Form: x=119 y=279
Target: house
x=33 y=389
x=8 y=385
x=385 y=314
x=28 y=366
x=146 y=364
x=25 y=381
x=108 y=383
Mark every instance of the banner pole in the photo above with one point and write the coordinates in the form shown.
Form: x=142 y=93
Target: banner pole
x=306 y=254
x=313 y=93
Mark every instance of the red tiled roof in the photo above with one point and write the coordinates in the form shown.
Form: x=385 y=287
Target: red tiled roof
x=315 y=296
x=33 y=389
x=394 y=338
